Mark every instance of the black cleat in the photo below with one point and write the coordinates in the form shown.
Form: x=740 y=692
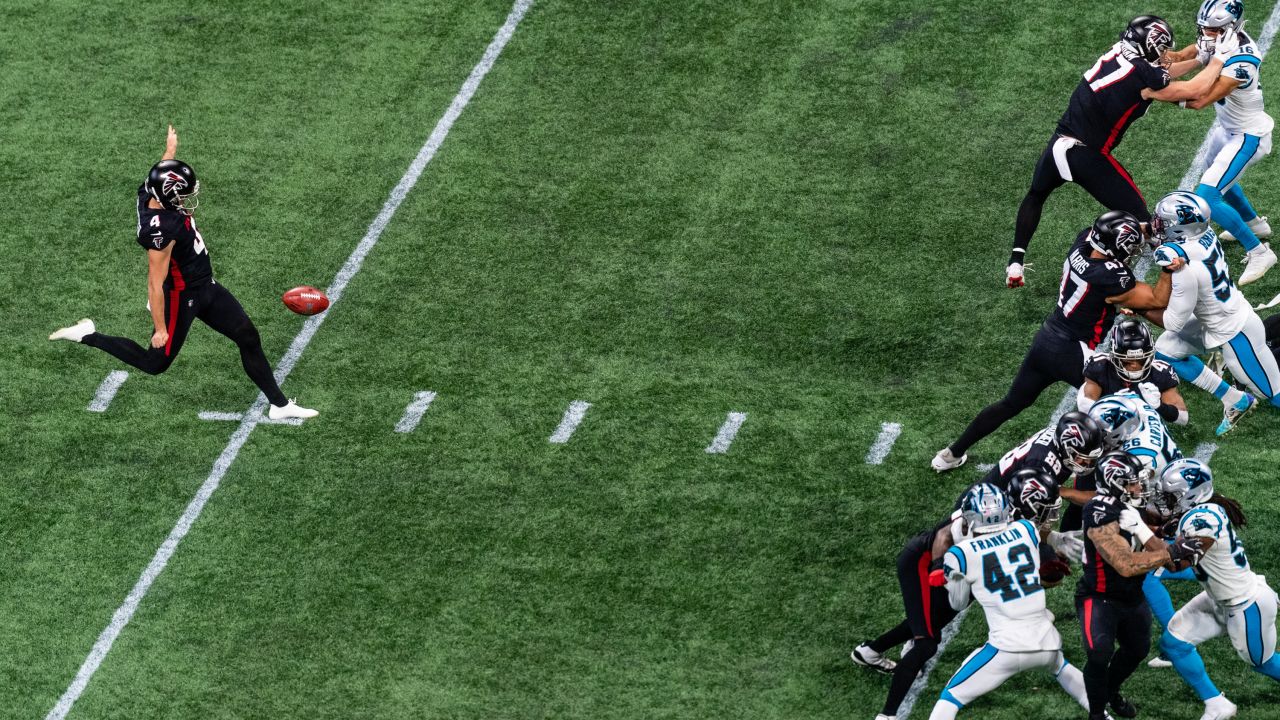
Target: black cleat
x=1122 y=707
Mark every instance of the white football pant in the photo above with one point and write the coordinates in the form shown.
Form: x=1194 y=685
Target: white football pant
x=986 y=668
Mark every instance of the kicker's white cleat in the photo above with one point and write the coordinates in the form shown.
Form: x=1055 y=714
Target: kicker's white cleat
x=1259 y=225
x=1259 y=260
x=945 y=461
x=292 y=410
x=868 y=658
x=75 y=333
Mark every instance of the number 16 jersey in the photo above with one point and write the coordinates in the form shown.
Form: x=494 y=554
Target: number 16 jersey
x=1003 y=570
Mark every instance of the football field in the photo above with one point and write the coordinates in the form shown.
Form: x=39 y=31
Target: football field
x=629 y=393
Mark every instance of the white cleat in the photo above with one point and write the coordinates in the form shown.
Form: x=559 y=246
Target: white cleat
x=944 y=460
x=886 y=717
x=1159 y=661
x=1258 y=261
x=75 y=333
x=1259 y=225
x=868 y=658
x=1218 y=708
x=292 y=410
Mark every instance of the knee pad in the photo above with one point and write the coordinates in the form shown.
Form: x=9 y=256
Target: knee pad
x=1175 y=648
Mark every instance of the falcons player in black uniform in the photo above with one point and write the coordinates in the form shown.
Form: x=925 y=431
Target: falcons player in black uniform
x=1112 y=94
x=1119 y=550
x=181 y=288
x=1095 y=279
x=1130 y=364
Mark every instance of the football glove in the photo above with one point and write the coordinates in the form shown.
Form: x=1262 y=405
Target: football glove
x=1150 y=394
x=1186 y=549
x=1131 y=522
x=1227 y=44
x=1067 y=544
x=1055 y=568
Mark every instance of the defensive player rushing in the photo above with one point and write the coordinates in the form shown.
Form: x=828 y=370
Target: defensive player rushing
x=1112 y=94
x=1130 y=364
x=1119 y=551
x=998 y=564
x=1242 y=135
x=1095 y=279
x=1207 y=311
x=181 y=288
x=1235 y=600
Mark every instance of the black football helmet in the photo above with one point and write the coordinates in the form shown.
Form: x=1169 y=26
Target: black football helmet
x=1149 y=36
x=173 y=184
x=1131 y=340
x=1079 y=441
x=1035 y=497
x=1118 y=472
x=1117 y=234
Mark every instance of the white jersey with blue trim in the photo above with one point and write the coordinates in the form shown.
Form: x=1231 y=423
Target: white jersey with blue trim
x=1151 y=442
x=1003 y=571
x=1242 y=111
x=1224 y=570
x=1203 y=289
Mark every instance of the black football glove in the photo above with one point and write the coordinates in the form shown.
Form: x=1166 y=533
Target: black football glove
x=1186 y=549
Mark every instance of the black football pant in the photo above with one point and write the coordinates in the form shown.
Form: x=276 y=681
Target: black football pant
x=1097 y=172
x=216 y=307
x=1104 y=623
x=928 y=612
x=1052 y=357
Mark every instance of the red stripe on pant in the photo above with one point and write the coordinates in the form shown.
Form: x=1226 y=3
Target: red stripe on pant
x=1124 y=174
x=1088 y=621
x=173 y=319
x=926 y=591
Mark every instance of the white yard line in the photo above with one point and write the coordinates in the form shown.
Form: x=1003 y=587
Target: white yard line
x=224 y=416
x=414 y=411
x=572 y=416
x=107 y=390
x=253 y=417
x=889 y=433
x=728 y=431
x=1204 y=451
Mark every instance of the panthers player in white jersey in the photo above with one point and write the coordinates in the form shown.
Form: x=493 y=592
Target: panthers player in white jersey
x=1130 y=425
x=1207 y=311
x=1242 y=135
x=1235 y=600
x=999 y=566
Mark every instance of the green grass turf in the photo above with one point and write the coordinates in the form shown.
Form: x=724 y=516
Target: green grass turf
x=798 y=210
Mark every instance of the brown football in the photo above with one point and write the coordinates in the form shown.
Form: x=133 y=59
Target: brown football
x=306 y=300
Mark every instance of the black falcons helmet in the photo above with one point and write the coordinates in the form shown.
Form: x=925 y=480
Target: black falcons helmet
x=1080 y=441
x=1035 y=497
x=1117 y=471
x=1149 y=36
x=1131 y=340
x=1117 y=234
x=173 y=184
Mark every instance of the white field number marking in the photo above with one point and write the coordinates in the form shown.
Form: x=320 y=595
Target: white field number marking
x=572 y=417
x=889 y=433
x=107 y=390
x=728 y=431
x=413 y=413
x=254 y=416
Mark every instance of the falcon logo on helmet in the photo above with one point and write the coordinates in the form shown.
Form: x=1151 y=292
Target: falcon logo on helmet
x=1079 y=441
x=1035 y=496
x=1118 y=472
x=173 y=183
x=1149 y=36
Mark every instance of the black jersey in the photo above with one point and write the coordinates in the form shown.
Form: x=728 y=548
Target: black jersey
x=1102 y=371
x=1083 y=313
x=1097 y=577
x=189 y=265
x=1038 y=452
x=1109 y=98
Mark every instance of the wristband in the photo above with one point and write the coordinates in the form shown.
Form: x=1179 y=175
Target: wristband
x=1168 y=413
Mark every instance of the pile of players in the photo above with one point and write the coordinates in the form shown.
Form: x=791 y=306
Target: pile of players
x=1137 y=513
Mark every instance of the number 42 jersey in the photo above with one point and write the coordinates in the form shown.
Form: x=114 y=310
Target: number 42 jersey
x=1003 y=570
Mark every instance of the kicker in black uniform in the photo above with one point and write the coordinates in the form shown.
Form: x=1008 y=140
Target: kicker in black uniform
x=181 y=288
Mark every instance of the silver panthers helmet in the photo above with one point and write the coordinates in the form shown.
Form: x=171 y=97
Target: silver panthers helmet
x=1180 y=216
x=985 y=509
x=1118 y=417
x=1218 y=15
x=1184 y=484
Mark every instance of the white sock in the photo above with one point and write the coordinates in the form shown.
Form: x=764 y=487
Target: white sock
x=944 y=710
x=1072 y=680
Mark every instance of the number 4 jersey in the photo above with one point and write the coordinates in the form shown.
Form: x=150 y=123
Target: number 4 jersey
x=158 y=228
x=1003 y=570
x=1224 y=570
x=1203 y=289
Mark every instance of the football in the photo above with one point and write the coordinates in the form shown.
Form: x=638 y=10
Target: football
x=306 y=300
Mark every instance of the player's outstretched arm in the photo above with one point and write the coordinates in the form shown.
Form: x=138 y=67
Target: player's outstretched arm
x=1215 y=92
x=171 y=145
x=1176 y=56
x=157 y=270
x=1116 y=552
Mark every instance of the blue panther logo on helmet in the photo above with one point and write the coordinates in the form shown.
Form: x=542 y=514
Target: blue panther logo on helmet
x=1236 y=8
x=1194 y=477
x=1188 y=214
x=1116 y=416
